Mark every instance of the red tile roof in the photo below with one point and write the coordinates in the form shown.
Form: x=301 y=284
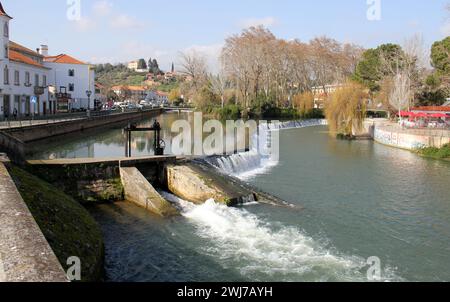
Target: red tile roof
x=63 y=59
x=18 y=57
x=23 y=49
x=2 y=12
x=432 y=108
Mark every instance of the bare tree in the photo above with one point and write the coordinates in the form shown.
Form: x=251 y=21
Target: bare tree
x=218 y=84
x=194 y=66
x=401 y=91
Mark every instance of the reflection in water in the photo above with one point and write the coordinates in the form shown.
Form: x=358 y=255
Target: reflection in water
x=110 y=142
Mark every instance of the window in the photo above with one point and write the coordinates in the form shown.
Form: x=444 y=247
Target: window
x=71 y=72
x=6 y=29
x=36 y=80
x=6 y=52
x=16 y=78
x=6 y=75
x=27 y=79
x=44 y=81
x=72 y=87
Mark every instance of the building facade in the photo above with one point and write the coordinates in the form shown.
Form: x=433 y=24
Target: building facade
x=71 y=76
x=31 y=81
x=131 y=93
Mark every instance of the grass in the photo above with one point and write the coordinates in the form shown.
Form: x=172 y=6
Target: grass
x=437 y=153
x=67 y=226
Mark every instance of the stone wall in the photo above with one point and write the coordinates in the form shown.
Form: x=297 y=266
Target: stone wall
x=39 y=132
x=95 y=182
x=410 y=139
x=25 y=255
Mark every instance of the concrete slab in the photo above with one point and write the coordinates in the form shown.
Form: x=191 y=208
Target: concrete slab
x=123 y=161
x=139 y=191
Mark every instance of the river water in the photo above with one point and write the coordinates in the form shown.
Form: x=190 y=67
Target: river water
x=360 y=200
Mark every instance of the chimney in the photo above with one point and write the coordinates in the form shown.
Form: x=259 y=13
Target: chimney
x=44 y=50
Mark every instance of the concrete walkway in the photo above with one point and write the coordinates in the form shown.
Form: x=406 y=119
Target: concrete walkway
x=123 y=161
x=30 y=123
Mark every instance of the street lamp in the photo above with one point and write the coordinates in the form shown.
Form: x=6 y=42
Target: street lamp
x=89 y=93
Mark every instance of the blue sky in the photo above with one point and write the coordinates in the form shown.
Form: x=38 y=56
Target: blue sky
x=123 y=30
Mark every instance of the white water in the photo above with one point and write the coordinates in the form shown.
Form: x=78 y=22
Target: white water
x=265 y=252
x=245 y=165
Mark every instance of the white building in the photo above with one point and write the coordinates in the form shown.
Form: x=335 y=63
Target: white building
x=158 y=97
x=23 y=77
x=73 y=77
x=134 y=65
x=30 y=80
x=131 y=93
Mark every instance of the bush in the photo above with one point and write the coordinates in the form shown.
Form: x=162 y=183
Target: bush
x=229 y=112
x=439 y=153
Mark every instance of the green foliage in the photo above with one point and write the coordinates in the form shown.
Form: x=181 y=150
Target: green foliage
x=153 y=67
x=168 y=87
x=111 y=75
x=433 y=80
x=437 y=153
x=228 y=112
x=371 y=70
x=142 y=64
x=67 y=226
x=440 y=56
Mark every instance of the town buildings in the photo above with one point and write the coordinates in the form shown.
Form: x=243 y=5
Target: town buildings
x=33 y=83
x=135 y=93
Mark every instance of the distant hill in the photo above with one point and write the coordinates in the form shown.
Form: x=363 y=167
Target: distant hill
x=110 y=75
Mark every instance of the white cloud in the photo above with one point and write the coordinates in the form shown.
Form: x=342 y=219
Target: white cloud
x=125 y=22
x=266 y=22
x=85 y=24
x=102 y=8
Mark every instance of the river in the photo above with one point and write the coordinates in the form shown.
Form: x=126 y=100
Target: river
x=360 y=200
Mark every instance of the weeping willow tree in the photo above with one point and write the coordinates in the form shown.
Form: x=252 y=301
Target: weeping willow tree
x=346 y=109
x=304 y=103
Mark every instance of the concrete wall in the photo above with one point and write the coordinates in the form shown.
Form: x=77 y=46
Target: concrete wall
x=25 y=255
x=39 y=132
x=139 y=191
x=411 y=139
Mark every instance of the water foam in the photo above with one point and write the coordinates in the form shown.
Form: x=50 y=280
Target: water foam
x=245 y=165
x=263 y=251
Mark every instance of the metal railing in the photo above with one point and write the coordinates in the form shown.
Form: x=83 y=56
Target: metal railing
x=27 y=121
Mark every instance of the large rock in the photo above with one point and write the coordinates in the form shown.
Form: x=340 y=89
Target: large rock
x=139 y=191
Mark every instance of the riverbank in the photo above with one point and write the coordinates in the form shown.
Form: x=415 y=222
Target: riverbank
x=436 y=153
x=66 y=225
x=391 y=134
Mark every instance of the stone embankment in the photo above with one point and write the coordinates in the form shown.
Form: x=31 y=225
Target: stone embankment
x=391 y=134
x=25 y=254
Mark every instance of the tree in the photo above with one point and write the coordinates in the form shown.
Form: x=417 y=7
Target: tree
x=142 y=64
x=218 y=85
x=304 y=103
x=400 y=95
x=346 y=109
x=175 y=96
x=378 y=63
x=173 y=68
x=193 y=65
x=440 y=56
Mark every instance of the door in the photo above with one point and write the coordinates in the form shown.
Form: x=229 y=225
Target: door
x=27 y=106
x=44 y=108
x=6 y=106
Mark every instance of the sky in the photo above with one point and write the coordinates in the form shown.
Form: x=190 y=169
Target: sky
x=123 y=30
